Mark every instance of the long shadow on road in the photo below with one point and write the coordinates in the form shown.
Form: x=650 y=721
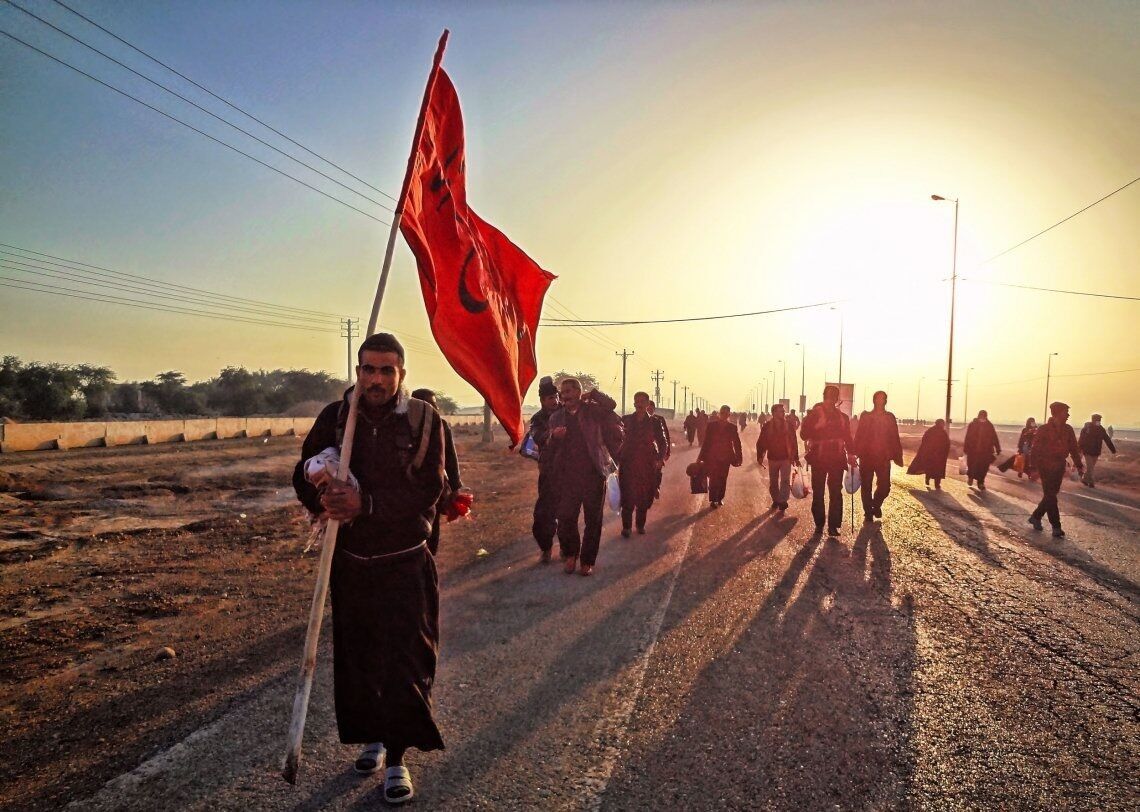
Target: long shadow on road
x=810 y=707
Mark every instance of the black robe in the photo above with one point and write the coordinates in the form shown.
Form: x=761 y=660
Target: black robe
x=643 y=447
x=932 y=453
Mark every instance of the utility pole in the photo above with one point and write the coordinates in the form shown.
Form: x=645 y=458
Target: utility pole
x=658 y=376
x=625 y=354
x=674 y=397
x=487 y=433
x=685 y=399
x=350 y=329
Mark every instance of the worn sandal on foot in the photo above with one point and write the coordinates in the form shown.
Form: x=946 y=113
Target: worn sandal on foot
x=398 y=785
x=369 y=759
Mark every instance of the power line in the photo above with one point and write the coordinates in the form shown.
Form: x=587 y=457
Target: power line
x=1053 y=290
x=194 y=104
x=192 y=127
x=136 y=289
x=225 y=101
x=57 y=290
x=159 y=282
x=616 y=323
x=1060 y=222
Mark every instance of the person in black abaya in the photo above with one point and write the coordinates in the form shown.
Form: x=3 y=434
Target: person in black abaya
x=930 y=461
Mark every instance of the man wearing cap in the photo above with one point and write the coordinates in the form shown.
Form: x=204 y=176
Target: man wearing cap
x=1093 y=437
x=546 y=506
x=1053 y=442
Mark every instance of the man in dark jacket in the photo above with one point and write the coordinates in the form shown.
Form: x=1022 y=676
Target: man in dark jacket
x=982 y=447
x=642 y=457
x=545 y=523
x=450 y=468
x=1093 y=438
x=691 y=427
x=778 y=440
x=1054 y=441
x=664 y=424
x=579 y=453
x=878 y=444
x=385 y=592
x=719 y=451
x=828 y=433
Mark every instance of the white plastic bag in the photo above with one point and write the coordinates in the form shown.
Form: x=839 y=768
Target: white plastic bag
x=962 y=467
x=852 y=480
x=613 y=492
x=796 y=482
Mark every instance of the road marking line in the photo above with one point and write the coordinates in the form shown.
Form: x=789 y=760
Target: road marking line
x=1102 y=501
x=611 y=730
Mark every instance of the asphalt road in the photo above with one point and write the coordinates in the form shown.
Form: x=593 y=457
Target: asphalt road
x=949 y=658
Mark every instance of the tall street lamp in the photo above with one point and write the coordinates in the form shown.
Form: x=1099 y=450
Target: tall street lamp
x=1048 y=375
x=772 y=372
x=953 y=299
x=918 y=402
x=784 y=385
x=803 y=377
x=840 y=309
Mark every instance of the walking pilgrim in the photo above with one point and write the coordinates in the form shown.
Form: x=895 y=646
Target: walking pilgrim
x=828 y=433
x=982 y=447
x=454 y=484
x=545 y=523
x=778 y=440
x=668 y=445
x=385 y=591
x=878 y=444
x=1053 y=442
x=930 y=459
x=641 y=459
x=580 y=455
x=720 y=451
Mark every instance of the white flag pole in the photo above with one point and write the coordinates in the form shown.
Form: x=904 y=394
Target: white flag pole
x=292 y=761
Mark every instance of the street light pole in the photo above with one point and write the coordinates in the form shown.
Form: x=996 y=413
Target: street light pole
x=784 y=385
x=773 y=390
x=918 y=402
x=840 y=309
x=953 y=300
x=1048 y=375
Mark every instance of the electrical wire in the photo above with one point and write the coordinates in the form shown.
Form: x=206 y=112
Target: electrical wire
x=192 y=127
x=150 y=280
x=552 y=322
x=224 y=101
x=191 y=102
x=1060 y=222
x=1053 y=290
x=138 y=290
x=57 y=290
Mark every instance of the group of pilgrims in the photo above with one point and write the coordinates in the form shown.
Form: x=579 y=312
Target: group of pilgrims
x=404 y=476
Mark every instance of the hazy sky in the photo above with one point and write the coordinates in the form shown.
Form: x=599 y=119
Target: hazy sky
x=663 y=159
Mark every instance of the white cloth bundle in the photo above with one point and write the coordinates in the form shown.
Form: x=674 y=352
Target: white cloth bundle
x=321 y=468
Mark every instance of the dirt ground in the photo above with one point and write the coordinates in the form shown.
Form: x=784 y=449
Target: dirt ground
x=109 y=556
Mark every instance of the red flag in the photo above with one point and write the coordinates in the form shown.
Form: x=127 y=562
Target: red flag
x=483 y=294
